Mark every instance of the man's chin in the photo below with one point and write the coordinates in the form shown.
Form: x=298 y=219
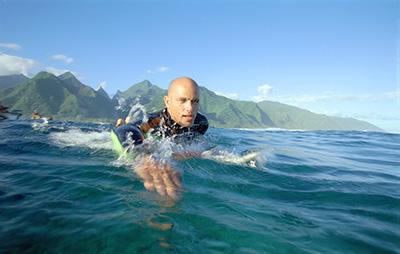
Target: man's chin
x=186 y=123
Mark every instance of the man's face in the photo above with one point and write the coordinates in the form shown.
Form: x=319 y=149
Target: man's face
x=182 y=103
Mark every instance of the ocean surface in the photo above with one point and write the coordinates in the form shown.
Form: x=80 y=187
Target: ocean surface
x=64 y=190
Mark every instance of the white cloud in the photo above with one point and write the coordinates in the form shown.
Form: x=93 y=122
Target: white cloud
x=102 y=85
x=263 y=91
x=13 y=46
x=63 y=58
x=162 y=68
x=233 y=96
x=15 y=65
x=159 y=69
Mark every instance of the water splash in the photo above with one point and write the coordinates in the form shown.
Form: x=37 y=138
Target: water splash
x=77 y=137
x=252 y=158
x=121 y=103
x=41 y=124
x=137 y=114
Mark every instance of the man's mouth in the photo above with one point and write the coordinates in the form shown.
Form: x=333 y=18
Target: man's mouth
x=187 y=117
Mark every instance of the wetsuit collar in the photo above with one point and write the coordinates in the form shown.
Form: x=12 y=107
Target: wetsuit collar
x=170 y=126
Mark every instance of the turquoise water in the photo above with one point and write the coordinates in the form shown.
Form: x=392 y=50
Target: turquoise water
x=63 y=190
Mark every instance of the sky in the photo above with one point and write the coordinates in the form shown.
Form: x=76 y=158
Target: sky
x=337 y=57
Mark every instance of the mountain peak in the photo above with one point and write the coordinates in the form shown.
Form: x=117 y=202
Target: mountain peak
x=147 y=82
x=43 y=74
x=101 y=91
x=71 y=80
x=66 y=75
x=117 y=95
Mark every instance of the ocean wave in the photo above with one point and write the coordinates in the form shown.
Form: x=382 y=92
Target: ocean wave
x=63 y=189
x=77 y=137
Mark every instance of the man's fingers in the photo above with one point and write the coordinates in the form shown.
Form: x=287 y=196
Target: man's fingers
x=143 y=172
x=176 y=178
x=161 y=189
x=174 y=175
x=170 y=187
x=149 y=185
x=158 y=183
x=172 y=193
x=168 y=180
x=160 y=177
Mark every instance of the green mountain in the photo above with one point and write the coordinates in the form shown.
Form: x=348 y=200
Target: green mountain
x=66 y=97
x=146 y=94
x=101 y=91
x=63 y=96
x=220 y=111
x=11 y=80
x=225 y=112
x=290 y=117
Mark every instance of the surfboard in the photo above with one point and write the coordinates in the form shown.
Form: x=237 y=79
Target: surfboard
x=248 y=158
x=121 y=151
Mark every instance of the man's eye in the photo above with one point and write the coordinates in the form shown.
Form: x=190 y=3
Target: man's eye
x=183 y=100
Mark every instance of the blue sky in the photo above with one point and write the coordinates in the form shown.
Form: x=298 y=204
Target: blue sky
x=334 y=57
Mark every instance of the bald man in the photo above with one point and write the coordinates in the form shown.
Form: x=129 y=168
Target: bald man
x=179 y=120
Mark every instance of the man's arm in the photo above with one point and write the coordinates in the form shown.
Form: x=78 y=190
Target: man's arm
x=159 y=176
x=155 y=175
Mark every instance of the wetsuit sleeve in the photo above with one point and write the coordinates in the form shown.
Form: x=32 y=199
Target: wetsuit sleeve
x=129 y=134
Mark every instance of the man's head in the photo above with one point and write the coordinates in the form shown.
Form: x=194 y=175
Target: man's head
x=182 y=101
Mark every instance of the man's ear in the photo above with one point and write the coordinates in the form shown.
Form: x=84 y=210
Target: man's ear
x=166 y=100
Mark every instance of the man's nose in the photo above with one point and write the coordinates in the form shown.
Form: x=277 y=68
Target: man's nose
x=188 y=106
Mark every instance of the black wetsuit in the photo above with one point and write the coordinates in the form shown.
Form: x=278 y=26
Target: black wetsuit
x=160 y=125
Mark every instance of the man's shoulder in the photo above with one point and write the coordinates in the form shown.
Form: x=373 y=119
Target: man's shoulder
x=201 y=119
x=154 y=115
x=201 y=123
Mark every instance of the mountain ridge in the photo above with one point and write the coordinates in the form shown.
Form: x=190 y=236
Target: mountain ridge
x=66 y=97
x=8 y=81
x=58 y=96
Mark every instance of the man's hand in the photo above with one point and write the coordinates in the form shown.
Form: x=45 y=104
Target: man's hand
x=160 y=177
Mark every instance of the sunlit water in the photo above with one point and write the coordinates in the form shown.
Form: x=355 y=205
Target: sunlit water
x=63 y=190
